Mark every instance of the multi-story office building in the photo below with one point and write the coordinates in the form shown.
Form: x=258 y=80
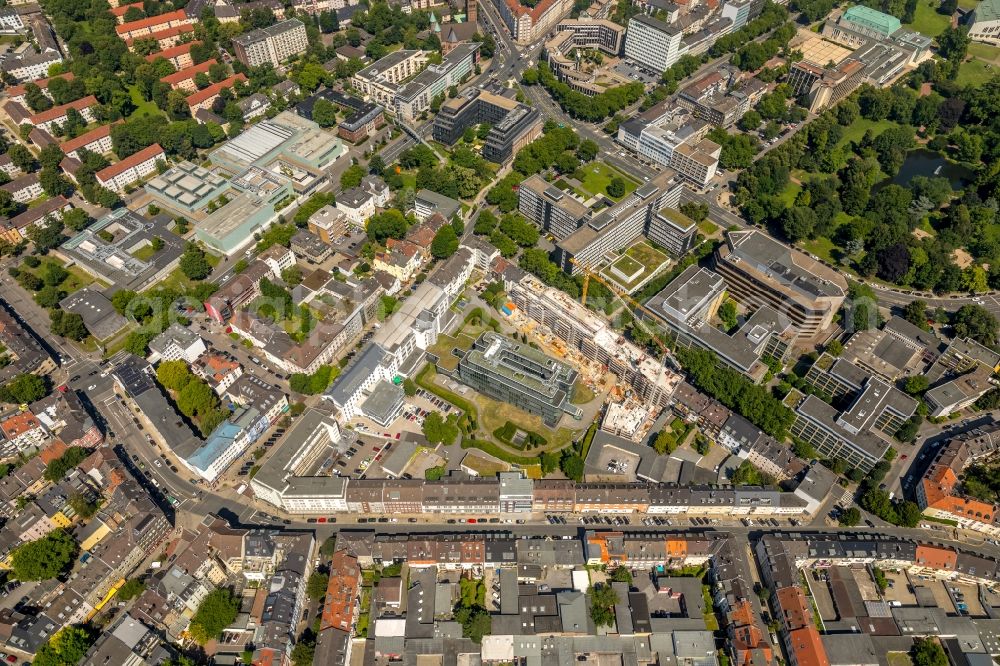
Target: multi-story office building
x=861 y=434
x=761 y=271
x=680 y=148
x=737 y=11
x=549 y=207
x=527 y=24
x=823 y=87
x=652 y=44
x=688 y=305
x=416 y=96
x=644 y=211
x=606 y=36
x=572 y=34
x=512 y=124
x=380 y=81
x=520 y=375
x=273 y=44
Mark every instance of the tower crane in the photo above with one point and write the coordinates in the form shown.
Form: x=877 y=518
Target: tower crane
x=620 y=293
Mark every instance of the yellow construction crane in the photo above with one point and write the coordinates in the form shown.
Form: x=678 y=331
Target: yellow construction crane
x=588 y=274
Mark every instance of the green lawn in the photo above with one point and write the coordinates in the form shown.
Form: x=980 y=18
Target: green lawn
x=857 y=129
x=927 y=21
x=985 y=52
x=76 y=280
x=647 y=255
x=142 y=107
x=409 y=180
x=822 y=248
x=597 y=176
x=790 y=192
x=968 y=4
x=144 y=253
x=975 y=72
x=708 y=227
x=640 y=256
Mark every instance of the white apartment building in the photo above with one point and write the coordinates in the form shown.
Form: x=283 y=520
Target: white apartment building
x=273 y=44
x=24 y=189
x=96 y=141
x=131 y=169
x=28 y=65
x=652 y=44
x=381 y=80
x=177 y=343
x=358 y=205
x=278 y=258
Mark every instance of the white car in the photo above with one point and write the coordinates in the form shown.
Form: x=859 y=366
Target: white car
x=158 y=463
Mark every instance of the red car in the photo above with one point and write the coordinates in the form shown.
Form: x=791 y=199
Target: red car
x=472 y=520
x=321 y=520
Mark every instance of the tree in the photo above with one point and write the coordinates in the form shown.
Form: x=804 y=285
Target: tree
x=438 y=430
x=445 y=242
x=850 y=517
x=22 y=158
x=44 y=558
x=194 y=264
x=750 y=121
x=915 y=312
x=665 y=442
x=49 y=296
x=316 y=586
x=976 y=322
x=572 y=466
x=602 y=605
x=67 y=647
x=727 y=313
x=621 y=574
x=616 y=188
x=131 y=589
x=173 y=375
x=928 y=652
x=587 y=150
x=352 y=176
x=216 y=612
x=23 y=389
x=69 y=325
x=387 y=224
x=196 y=398
x=916 y=384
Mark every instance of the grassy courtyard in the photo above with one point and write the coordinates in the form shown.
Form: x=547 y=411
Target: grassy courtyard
x=597 y=177
x=76 y=280
x=142 y=107
x=641 y=260
x=927 y=21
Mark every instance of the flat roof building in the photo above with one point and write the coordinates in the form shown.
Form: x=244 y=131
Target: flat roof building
x=114 y=260
x=759 y=270
x=273 y=44
x=187 y=187
x=520 y=375
x=99 y=315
